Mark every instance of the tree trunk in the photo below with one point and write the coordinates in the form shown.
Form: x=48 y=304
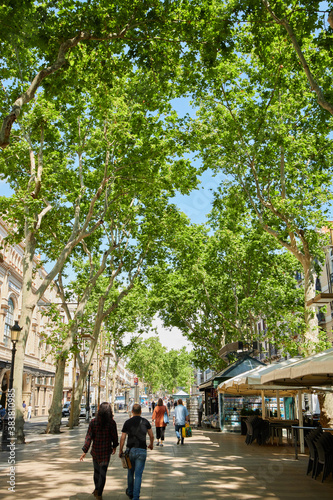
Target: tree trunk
x=29 y=301
x=54 y=422
x=55 y=411
x=311 y=321
x=17 y=386
x=78 y=393
x=326 y=409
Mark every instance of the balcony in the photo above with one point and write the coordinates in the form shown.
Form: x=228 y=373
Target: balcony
x=320 y=299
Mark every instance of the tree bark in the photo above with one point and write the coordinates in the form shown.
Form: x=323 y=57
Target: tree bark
x=55 y=411
x=28 y=305
x=326 y=409
x=78 y=393
x=54 y=421
x=311 y=321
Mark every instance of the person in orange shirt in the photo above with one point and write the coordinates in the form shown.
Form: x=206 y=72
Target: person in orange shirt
x=158 y=418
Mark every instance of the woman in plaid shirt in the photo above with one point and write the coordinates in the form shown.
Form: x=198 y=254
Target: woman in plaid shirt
x=102 y=431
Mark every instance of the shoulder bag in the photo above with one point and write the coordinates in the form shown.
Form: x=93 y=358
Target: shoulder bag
x=165 y=417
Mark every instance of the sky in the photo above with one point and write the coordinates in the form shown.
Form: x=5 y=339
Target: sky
x=171 y=338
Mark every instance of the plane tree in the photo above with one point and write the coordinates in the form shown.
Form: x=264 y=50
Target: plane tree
x=85 y=171
x=120 y=331
x=159 y=368
x=178 y=370
x=217 y=285
x=59 y=47
x=147 y=361
x=259 y=126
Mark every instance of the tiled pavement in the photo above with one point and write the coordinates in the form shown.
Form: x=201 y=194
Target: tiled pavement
x=209 y=466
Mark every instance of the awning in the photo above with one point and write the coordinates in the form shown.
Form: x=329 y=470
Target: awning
x=315 y=370
x=250 y=383
x=36 y=372
x=244 y=364
x=181 y=395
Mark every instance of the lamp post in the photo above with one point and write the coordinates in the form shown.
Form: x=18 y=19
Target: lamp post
x=88 y=395
x=15 y=330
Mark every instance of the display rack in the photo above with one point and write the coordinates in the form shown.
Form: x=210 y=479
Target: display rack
x=233 y=406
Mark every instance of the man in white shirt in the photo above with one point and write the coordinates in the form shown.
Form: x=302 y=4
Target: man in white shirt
x=179 y=419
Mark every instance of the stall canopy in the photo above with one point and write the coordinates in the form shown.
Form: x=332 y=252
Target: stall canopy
x=244 y=364
x=180 y=395
x=250 y=382
x=316 y=370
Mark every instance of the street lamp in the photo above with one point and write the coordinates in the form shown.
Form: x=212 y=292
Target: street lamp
x=88 y=395
x=14 y=335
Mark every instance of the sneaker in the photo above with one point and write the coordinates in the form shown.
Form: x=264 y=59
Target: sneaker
x=157 y=444
x=178 y=441
x=161 y=444
x=129 y=496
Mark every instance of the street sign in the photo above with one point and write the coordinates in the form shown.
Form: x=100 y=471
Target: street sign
x=136 y=380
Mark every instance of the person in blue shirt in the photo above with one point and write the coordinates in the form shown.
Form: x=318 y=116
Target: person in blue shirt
x=179 y=419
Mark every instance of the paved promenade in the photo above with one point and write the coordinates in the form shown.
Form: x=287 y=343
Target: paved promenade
x=209 y=466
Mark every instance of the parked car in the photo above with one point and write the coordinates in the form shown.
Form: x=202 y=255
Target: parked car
x=93 y=410
x=66 y=409
x=83 y=411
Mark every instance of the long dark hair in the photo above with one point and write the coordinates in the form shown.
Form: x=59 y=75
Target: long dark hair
x=104 y=414
x=160 y=402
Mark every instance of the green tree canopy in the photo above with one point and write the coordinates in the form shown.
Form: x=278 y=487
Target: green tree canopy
x=159 y=368
x=216 y=286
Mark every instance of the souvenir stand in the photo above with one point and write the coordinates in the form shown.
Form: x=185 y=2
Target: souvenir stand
x=223 y=411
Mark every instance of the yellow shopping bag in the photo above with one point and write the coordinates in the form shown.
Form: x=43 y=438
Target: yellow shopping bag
x=186 y=431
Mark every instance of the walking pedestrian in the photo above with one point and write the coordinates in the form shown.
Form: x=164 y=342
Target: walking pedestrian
x=102 y=431
x=179 y=419
x=24 y=405
x=149 y=406
x=200 y=412
x=169 y=406
x=29 y=411
x=158 y=418
x=136 y=430
x=153 y=404
x=2 y=411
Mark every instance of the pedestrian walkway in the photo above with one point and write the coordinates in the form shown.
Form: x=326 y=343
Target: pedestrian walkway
x=209 y=466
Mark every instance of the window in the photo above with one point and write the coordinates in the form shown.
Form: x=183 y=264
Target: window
x=8 y=323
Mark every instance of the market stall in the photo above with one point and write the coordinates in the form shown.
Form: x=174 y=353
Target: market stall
x=211 y=399
x=249 y=396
